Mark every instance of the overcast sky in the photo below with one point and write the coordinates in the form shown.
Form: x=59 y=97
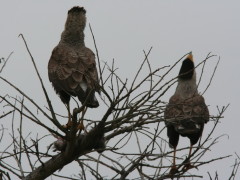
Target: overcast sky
x=123 y=29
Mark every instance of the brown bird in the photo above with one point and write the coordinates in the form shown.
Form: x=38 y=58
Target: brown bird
x=186 y=111
x=72 y=67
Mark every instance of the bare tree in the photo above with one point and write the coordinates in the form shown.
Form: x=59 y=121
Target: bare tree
x=133 y=115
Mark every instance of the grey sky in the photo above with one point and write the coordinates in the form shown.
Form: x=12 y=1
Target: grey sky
x=123 y=29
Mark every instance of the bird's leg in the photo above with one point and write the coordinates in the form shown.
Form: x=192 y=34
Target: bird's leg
x=190 y=151
x=188 y=165
x=81 y=125
x=69 y=123
x=174 y=169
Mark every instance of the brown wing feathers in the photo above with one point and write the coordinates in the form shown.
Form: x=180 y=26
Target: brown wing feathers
x=67 y=70
x=180 y=113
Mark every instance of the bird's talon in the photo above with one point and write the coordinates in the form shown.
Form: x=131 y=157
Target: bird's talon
x=81 y=126
x=68 y=125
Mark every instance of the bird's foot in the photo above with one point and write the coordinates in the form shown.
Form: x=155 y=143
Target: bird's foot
x=174 y=170
x=81 y=126
x=68 y=125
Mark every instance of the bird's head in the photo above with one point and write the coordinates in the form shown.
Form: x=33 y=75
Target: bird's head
x=76 y=18
x=187 y=69
x=77 y=9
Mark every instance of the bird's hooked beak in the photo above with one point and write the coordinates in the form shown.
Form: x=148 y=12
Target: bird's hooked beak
x=190 y=56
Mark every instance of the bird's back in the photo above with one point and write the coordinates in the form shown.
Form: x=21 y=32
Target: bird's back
x=186 y=116
x=72 y=70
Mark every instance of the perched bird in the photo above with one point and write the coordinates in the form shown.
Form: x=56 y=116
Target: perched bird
x=186 y=112
x=72 y=67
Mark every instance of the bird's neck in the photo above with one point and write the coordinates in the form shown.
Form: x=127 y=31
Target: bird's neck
x=187 y=88
x=75 y=38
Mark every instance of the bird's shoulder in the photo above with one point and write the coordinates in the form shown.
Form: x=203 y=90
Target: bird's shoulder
x=196 y=99
x=190 y=107
x=62 y=62
x=173 y=108
x=86 y=56
x=64 y=54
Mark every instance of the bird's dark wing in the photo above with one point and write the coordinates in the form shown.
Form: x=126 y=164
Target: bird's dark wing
x=186 y=116
x=87 y=65
x=73 y=72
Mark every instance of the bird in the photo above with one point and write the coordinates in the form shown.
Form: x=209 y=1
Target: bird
x=186 y=113
x=72 y=67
